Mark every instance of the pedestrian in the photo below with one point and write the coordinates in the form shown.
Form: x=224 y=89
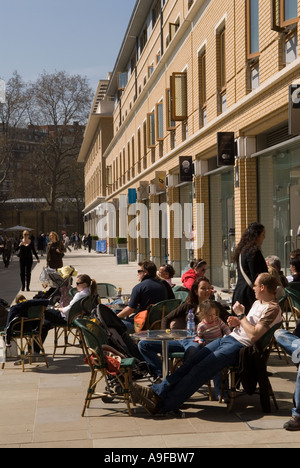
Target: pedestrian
x=55 y=251
x=26 y=251
x=88 y=241
x=7 y=251
x=41 y=244
x=250 y=263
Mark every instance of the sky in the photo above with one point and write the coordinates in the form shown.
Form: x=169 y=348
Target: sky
x=78 y=36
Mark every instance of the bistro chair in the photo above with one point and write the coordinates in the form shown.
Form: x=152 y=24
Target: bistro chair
x=262 y=351
x=106 y=291
x=158 y=311
x=26 y=331
x=117 y=383
x=69 y=331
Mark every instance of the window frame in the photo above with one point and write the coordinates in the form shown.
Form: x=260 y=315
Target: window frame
x=283 y=22
x=251 y=55
x=151 y=130
x=178 y=91
x=159 y=115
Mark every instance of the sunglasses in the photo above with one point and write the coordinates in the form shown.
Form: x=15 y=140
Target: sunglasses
x=79 y=283
x=141 y=271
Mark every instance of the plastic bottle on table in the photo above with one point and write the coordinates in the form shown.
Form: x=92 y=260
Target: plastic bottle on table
x=191 y=327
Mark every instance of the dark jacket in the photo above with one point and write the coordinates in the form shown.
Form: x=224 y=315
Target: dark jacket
x=253 y=264
x=54 y=258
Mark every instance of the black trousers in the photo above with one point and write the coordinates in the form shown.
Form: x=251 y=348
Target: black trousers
x=25 y=271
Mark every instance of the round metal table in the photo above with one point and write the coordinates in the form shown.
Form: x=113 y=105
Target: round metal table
x=164 y=336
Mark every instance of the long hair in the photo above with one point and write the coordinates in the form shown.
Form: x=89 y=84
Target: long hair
x=193 y=294
x=248 y=240
x=90 y=282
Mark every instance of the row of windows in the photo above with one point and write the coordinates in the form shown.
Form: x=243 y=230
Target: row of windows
x=284 y=15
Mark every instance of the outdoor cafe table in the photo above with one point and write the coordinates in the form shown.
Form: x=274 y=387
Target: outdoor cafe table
x=164 y=336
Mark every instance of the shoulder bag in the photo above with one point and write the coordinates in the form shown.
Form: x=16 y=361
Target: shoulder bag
x=246 y=278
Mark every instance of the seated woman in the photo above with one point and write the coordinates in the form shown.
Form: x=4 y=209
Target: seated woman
x=200 y=291
x=85 y=287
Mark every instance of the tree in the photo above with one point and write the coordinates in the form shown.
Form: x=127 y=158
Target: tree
x=13 y=115
x=60 y=107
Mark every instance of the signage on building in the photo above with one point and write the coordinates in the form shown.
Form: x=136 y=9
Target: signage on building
x=160 y=181
x=226 y=149
x=186 y=168
x=132 y=196
x=294 y=109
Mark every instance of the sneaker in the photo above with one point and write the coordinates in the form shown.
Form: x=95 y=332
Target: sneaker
x=293 y=424
x=146 y=397
x=296 y=356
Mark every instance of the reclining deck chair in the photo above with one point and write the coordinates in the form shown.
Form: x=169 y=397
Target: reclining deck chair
x=94 y=341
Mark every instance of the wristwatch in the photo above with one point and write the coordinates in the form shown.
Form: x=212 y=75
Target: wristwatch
x=241 y=316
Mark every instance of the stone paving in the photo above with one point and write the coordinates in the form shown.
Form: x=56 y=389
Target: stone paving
x=41 y=408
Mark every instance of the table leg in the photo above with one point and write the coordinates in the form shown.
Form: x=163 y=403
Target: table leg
x=165 y=359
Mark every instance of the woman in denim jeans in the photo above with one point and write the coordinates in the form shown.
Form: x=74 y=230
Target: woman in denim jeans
x=290 y=342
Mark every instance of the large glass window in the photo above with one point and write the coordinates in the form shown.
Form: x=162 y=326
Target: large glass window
x=288 y=12
x=279 y=195
x=222 y=224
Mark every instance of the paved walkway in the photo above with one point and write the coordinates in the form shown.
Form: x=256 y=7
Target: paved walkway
x=42 y=407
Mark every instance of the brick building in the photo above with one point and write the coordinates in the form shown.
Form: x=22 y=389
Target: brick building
x=186 y=71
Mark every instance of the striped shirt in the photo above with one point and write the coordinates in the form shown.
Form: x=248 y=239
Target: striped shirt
x=213 y=330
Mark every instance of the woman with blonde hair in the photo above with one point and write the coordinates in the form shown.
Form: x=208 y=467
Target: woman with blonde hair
x=27 y=250
x=55 y=251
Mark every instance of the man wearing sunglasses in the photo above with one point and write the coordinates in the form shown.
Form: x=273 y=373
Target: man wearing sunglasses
x=148 y=291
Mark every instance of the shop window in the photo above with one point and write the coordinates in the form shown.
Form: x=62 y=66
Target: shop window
x=178 y=87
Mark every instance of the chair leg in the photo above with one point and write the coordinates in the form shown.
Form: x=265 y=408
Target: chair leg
x=232 y=393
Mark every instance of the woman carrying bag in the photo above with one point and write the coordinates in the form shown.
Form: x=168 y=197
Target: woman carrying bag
x=250 y=263
x=55 y=251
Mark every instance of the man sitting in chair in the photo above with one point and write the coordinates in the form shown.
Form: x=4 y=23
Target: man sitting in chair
x=207 y=362
x=148 y=291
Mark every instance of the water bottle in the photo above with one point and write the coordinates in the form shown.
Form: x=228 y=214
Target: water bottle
x=191 y=327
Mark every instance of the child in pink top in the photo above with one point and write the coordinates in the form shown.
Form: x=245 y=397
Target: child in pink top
x=210 y=328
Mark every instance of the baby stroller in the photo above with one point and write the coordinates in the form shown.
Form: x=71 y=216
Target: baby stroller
x=119 y=338
x=59 y=283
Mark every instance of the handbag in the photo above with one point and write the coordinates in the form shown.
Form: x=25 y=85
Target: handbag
x=246 y=278
x=140 y=320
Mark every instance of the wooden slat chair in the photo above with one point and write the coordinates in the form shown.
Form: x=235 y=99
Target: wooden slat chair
x=69 y=331
x=94 y=339
x=26 y=331
x=264 y=346
x=158 y=311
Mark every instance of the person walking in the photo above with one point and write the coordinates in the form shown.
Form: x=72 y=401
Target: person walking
x=55 y=251
x=26 y=251
x=7 y=251
x=250 y=263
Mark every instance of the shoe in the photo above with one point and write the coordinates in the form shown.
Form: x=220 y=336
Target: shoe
x=296 y=356
x=146 y=397
x=293 y=424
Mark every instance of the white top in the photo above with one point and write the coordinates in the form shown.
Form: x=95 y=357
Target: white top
x=269 y=313
x=78 y=296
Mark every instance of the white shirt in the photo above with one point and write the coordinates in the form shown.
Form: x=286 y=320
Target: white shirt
x=78 y=296
x=269 y=313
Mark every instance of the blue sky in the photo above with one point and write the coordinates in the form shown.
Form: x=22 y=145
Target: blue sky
x=78 y=36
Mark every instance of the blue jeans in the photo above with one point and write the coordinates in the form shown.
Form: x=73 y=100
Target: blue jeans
x=150 y=350
x=291 y=344
x=201 y=366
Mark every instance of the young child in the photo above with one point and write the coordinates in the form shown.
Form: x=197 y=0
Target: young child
x=210 y=328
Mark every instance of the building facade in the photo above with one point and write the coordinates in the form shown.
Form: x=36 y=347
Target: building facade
x=190 y=72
